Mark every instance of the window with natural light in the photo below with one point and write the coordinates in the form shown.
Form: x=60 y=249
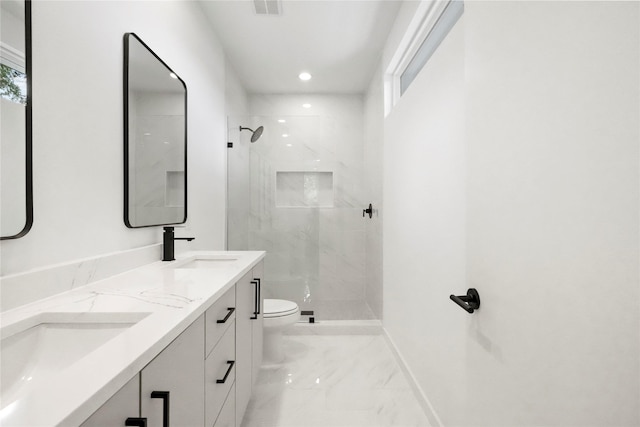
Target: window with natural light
x=441 y=28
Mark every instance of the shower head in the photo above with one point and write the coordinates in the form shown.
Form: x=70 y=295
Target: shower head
x=256 y=134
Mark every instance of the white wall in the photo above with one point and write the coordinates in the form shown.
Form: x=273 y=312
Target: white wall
x=78 y=127
x=511 y=165
x=424 y=225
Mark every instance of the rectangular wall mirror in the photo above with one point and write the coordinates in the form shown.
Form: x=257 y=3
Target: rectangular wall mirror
x=155 y=139
x=16 y=195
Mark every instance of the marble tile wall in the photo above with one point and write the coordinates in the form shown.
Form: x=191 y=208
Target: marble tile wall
x=315 y=245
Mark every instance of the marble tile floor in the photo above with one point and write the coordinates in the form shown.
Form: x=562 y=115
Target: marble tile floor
x=334 y=381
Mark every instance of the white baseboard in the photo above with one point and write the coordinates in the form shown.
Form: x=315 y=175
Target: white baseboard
x=427 y=407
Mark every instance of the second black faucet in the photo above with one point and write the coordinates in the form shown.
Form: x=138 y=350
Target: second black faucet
x=168 y=239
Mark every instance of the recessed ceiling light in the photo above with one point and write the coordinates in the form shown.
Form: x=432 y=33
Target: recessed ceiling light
x=282 y=121
x=285 y=135
x=289 y=145
x=304 y=76
x=306 y=105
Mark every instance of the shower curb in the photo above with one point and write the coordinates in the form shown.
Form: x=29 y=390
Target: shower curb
x=336 y=327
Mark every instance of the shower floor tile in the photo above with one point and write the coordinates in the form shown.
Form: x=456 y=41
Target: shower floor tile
x=334 y=381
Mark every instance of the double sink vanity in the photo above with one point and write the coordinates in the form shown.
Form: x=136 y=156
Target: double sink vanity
x=169 y=344
x=174 y=343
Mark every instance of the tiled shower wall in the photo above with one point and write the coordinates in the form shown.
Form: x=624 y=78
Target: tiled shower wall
x=303 y=200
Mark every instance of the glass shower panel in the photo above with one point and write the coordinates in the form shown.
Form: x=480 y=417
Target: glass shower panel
x=288 y=233
x=238 y=189
x=295 y=194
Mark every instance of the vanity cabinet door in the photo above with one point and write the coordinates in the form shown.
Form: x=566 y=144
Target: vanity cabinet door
x=122 y=405
x=249 y=336
x=179 y=370
x=227 y=417
x=220 y=375
x=244 y=360
x=219 y=317
x=257 y=331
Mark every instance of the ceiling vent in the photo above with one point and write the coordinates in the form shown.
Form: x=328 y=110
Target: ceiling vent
x=267 y=7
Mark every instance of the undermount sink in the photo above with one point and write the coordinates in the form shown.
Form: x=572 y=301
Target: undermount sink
x=41 y=346
x=209 y=262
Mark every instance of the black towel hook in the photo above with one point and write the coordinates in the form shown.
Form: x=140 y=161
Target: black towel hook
x=469 y=302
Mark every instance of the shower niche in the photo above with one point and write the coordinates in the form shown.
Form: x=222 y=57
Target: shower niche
x=304 y=189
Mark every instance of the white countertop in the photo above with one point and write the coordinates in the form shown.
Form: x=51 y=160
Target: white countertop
x=174 y=298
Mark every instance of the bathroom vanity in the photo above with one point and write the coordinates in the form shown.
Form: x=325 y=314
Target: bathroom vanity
x=176 y=344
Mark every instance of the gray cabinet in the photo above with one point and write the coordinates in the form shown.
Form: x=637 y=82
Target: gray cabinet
x=257 y=327
x=178 y=370
x=118 y=408
x=227 y=416
x=220 y=362
x=208 y=370
x=249 y=324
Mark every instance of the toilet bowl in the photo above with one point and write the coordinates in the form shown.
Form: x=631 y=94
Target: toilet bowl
x=278 y=315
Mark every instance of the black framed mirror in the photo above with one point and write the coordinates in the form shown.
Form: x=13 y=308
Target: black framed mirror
x=155 y=139
x=16 y=181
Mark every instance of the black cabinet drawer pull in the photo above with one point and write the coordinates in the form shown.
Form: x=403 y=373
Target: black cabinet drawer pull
x=256 y=307
x=223 y=380
x=136 y=422
x=231 y=310
x=258 y=298
x=164 y=395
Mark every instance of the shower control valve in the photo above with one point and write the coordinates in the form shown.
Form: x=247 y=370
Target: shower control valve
x=369 y=211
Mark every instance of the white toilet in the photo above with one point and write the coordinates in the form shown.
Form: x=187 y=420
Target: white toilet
x=278 y=315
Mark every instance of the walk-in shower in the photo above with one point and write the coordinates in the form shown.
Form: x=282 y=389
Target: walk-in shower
x=299 y=195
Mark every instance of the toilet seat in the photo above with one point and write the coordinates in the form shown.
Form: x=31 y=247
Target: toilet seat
x=279 y=308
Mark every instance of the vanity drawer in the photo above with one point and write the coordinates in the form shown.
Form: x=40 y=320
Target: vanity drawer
x=220 y=374
x=227 y=417
x=218 y=318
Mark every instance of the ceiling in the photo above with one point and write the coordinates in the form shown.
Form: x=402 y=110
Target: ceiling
x=338 y=41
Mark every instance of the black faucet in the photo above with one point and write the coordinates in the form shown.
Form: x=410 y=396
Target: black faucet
x=168 y=238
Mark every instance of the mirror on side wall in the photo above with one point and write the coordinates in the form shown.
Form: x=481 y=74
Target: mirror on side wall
x=16 y=195
x=155 y=139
